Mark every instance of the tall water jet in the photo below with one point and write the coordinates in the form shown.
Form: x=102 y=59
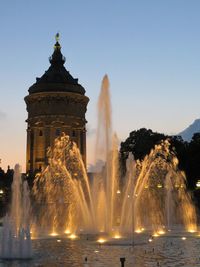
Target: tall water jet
x=128 y=200
x=107 y=150
x=104 y=127
x=169 y=205
x=16 y=238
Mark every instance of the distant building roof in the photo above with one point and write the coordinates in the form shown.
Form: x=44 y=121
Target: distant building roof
x=56 y=78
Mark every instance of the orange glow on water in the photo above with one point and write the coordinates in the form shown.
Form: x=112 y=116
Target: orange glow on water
x=67 y=232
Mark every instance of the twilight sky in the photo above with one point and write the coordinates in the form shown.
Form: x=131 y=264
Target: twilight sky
x=149 y=49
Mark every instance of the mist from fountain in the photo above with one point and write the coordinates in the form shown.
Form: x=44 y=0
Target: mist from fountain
x=152 y=195
x=16 y=237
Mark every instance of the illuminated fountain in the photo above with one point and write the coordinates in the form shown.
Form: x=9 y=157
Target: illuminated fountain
x=64 y=190
x=106 y=184
x=16 y=238
x=151 y=196
x=160 y=199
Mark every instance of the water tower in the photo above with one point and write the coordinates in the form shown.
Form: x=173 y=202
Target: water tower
x=56 y=103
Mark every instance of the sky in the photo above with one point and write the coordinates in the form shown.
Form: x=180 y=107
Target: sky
x=149 y=49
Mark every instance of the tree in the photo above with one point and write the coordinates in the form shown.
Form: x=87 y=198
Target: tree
x=193 y=161
x=141 y=142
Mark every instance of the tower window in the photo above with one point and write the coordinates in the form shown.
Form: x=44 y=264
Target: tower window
x=73 y=133
x=40 y=133
x=57 y=132
x=82 y=143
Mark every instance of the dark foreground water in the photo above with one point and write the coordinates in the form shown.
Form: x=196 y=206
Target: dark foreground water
x=163 y=251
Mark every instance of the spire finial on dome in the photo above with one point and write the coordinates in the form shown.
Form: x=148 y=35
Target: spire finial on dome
x=57 y=44
x=57 y=57
x=57 y=36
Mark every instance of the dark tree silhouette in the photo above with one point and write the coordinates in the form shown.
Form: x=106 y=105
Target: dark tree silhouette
x=140 y=143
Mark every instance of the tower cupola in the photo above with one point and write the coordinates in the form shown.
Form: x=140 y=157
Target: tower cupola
x=56 y=103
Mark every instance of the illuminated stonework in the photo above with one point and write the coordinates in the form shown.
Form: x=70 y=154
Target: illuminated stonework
x=56 y=103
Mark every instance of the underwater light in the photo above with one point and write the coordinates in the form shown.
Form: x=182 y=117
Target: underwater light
x=117 y=236
x=139 y=230
x=53 y=234
x=161 y=232
x=101 y=240
x=72 y=236
x=191 y=231
x=155 y=234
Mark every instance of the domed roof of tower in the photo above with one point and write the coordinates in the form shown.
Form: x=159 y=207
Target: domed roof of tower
x=56 y=78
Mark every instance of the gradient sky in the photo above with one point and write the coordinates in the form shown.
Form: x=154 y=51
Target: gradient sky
x=150 y=50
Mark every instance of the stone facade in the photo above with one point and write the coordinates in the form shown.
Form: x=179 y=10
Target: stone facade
x=56 y=103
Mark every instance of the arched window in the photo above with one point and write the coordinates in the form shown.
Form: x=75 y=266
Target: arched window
x=58 y=132
x=40 y=133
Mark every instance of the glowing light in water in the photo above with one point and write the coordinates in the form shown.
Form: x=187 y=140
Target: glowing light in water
x=117 y=236
x=101 y=240
x=155 y=234
x=73 y=236
x=183 y=238
x=139 y=230
x=53 y=234
x=161 y=232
